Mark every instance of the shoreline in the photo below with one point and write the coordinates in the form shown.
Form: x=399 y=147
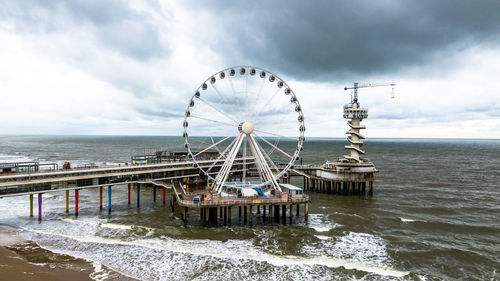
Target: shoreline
x=22 y=260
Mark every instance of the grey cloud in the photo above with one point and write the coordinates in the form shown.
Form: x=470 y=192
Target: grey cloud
x=326 y=40
x=115 y=24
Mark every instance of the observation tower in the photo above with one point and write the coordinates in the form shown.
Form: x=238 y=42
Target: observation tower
x=350 y=174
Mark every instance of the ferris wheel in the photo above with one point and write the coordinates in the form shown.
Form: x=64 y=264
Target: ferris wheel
x=254 y=124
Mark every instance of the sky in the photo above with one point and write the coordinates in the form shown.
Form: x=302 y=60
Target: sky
x=130 y=67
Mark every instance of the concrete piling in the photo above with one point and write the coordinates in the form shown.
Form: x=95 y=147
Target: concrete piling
x=138 y=190
x=283 y=214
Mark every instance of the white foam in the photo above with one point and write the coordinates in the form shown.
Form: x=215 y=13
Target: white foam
x=322 y=228
x=405 y=220
x=350 y=215
x=321 y=223
x=323 y=237
x=236 y=251
x=116 y=226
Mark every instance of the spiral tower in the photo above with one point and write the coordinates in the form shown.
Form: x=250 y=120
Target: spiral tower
x=356 y=114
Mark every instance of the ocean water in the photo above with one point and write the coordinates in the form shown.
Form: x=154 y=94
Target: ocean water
x=435 y=215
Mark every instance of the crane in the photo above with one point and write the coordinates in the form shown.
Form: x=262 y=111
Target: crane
x=357 y=86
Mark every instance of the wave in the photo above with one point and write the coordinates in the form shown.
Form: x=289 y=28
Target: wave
x=235 y=251
x=321 y=223
x=405 y=220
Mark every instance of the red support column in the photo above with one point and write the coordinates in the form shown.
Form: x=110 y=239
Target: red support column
x=76 y=202
x=198 y=183
x=163 y=195
x=129 y=193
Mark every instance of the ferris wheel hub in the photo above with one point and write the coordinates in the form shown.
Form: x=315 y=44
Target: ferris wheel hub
x=246 y=127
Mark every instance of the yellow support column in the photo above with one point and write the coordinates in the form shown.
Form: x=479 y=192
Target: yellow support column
x=67 y=201
x=31 y=205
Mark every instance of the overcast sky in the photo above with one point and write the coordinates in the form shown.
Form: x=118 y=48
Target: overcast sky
x=130 y=67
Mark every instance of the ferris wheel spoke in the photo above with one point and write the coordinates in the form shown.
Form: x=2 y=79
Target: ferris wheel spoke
x=221 y=178
x=235 y=94
x=221 y=156
x=259 y=92
x=273 y=134
x=267 y=104
x=272 y=148
x=224 y=100
x=259 y=158
x=215 y=121
x=244 y=177
x=275 y=147
x=218 y=110
x=215 y=144
x=274 y=113
x=268 y=158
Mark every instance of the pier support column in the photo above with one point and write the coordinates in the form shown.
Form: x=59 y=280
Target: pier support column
x=245 y=214
x=164 y=196
x=258 y=209
x=370 y=191
x=229 y=214
x=291 y=213
x=221 y=210
x=251 y=214
x=264 y=213
x=283 y=214
x=76 y=202
x=271 y=213
x=201 y=214
x=109 y=199
x=100 y=198
x=31 y=205
x=184 y=214
x=154 y=193
x=277 y=212
x=306 y=211
x=67 y=201
x=239 y=211
x=225 y=215
x=39 y=206
x=128 y=193
x=207 y=214
x=298 y=209
x=138 y=191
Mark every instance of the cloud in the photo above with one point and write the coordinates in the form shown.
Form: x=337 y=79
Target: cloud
x=325 y=40
x=116 y=25
x=130 y=67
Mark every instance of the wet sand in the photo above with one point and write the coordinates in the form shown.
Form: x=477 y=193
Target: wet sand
x=38 y=264
x=25 y=260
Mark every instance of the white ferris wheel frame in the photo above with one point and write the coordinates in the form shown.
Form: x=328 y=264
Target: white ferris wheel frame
x=230 y=152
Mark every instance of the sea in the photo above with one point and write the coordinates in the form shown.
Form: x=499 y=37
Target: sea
x=434 y=215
